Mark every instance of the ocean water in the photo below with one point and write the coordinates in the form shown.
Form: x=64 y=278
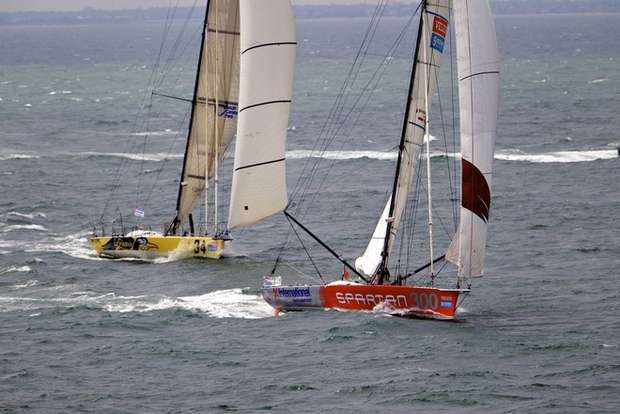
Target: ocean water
x=539 y=333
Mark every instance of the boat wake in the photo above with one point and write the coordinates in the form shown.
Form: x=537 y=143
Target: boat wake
x=229 y=303
x=74 y=245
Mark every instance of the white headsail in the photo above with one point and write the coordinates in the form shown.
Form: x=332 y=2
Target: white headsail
x=369 y=261
x=432 y=38
x=268 y=47
x=478 y=73
x=217 y=81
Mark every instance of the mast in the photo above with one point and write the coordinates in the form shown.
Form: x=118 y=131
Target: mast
x=175 y=223
x=428 y=164
x=217 y=129
x=382 y=271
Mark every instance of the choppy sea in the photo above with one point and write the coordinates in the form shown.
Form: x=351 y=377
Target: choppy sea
x=539 y=334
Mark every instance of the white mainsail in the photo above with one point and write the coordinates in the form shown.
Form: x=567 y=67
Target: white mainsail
x=431 y=40
x=478 y=74
x=217 y=83
x=268 y=48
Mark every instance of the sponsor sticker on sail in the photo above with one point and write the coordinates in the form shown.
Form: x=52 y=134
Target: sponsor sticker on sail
x=228 y=111
x=438 y=36
x=138 y=212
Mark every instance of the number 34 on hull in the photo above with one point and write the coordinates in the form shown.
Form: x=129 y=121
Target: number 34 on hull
x=157 y=246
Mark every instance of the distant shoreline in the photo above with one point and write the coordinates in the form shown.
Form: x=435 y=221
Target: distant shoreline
x=305 y=12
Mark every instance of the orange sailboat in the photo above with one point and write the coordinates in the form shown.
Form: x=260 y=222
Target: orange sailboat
x=380 y=286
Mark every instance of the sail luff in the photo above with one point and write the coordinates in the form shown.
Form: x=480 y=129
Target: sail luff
x=478 y=74
x=267 y=68
x=425 y=70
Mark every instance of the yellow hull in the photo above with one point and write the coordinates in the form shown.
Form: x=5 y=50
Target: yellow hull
x=155 y=246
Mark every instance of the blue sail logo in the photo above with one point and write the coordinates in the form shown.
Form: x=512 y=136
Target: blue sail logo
x=228 y=111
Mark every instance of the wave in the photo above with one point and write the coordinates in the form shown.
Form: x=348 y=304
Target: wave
x=556 y=157
x=31 y=216
x=136 y=157
x=7 y=157
x=163 y=133
x=340 y=155
x=16 y=227
x=19 y=269
x=29 y=283
x=598 y=81
x=229 y=303
x=503 y=155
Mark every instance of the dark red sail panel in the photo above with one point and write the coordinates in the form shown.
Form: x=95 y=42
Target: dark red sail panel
x=475 y=192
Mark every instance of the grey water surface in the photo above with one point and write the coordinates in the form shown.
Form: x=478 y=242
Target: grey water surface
x=539 y=334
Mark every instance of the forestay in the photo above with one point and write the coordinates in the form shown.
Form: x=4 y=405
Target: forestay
x=214 y=110
x=268 y=48
x=478 y=73
x=431 y=41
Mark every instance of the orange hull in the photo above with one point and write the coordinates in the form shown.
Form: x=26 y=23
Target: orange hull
x=415 y=301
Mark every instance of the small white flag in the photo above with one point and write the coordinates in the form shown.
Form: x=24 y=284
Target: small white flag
x=138 y=212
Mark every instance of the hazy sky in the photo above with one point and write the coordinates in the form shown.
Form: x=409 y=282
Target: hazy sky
x=57 y=5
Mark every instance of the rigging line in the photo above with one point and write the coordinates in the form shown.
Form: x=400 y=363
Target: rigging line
x=426 y=266
x=445 y=141
x=125 y=162
x=318 y=272
x=438 y=216
x=334 y=111
x=373 y=29
x=375 y=78
x=304 y=180
x=304 y=185
x=454 y=98
x=414 y=213
x=172 y=57
x=347 y=137
x=329 y=249
x=174 y=141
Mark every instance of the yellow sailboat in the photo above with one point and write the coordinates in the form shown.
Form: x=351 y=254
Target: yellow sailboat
x=230 y=70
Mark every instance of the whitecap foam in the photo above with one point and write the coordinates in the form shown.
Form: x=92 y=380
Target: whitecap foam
x=598 y=81
x=341 y=155
x=135 y=157
x=6 y=157
x=353 y=155
x=16 y=227
x=30 y=216
x=556 y=157
x=165 y=132
x=12 y=269
x=30 y=283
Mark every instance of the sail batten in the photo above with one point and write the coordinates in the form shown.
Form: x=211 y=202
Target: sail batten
x=478 y=74
x=268 y=45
